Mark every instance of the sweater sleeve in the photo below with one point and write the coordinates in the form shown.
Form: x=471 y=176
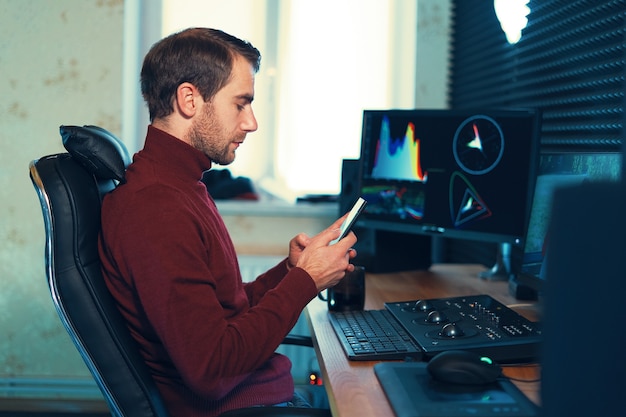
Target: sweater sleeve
x=176 y=278
x=265 y=282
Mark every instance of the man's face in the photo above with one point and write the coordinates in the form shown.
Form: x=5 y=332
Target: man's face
x=222 y=124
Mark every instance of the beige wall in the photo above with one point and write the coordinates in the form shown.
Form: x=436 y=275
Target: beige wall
x=59 y=64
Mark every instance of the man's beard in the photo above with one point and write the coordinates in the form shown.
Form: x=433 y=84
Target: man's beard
x=207 y=135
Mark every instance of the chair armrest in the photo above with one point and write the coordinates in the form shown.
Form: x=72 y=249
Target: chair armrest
x=298 y=340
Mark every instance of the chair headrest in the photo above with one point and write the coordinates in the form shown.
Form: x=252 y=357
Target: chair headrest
x=97 y=149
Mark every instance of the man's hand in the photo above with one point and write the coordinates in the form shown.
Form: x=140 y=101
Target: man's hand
x=327 y=264
x=301 y=241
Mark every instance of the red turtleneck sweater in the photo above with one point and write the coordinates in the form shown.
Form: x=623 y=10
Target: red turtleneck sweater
x=208 y=338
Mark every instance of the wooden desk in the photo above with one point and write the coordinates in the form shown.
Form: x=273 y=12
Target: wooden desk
x=352 y=386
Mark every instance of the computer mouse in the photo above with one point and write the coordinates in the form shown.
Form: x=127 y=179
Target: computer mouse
x=463 y=367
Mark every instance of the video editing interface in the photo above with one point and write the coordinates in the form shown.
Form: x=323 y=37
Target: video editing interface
x=456 y=173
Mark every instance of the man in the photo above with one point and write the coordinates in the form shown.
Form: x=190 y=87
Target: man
x=208 y=338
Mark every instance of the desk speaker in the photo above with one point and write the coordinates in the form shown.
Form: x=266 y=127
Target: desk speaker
x=583 y=363
x=382 y=251
x=350 y=184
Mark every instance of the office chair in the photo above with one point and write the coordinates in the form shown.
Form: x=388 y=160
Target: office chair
x=70 y=187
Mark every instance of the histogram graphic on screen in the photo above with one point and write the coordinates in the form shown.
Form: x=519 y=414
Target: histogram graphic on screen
x=397 y=158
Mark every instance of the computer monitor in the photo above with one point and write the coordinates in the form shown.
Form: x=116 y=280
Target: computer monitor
x=465 y=174
x=559 y=169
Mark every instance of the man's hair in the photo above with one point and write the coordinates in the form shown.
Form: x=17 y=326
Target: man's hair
x=201 y=56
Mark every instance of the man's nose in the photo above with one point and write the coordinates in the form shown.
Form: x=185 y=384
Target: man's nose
x=249 y=123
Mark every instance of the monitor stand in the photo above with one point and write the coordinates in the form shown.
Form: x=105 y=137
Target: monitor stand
x=501 y=270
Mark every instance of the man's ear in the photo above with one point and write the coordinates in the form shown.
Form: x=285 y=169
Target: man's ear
x=186 y=99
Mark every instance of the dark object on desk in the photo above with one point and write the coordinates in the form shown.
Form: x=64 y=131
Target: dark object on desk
x=349 y=293
x=222 y=186
x=476 y=323
x=318 y=198
x=463 y=367
x=412 y=392
x=350 y=184
x=522 y=291
x=383 y=251
x=585 y=273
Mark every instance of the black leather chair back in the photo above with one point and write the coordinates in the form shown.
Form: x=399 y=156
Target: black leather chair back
x=70 y=188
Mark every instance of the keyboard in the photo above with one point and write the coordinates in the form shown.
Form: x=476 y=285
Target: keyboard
x=373 y=335
x=420 y=329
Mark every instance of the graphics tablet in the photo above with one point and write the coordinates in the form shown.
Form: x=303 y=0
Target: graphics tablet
x=412 y=392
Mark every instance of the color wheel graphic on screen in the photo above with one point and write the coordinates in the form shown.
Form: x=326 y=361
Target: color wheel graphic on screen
x=466 y=205
x=478 y=144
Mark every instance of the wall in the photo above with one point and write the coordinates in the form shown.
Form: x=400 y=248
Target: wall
x=59 y=64
x=433 y=51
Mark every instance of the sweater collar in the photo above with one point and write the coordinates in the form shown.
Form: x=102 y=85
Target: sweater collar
x=173 y=153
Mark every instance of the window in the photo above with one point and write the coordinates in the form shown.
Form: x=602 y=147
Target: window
x=323 y=63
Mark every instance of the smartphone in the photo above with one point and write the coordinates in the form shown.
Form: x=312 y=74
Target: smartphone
x=356 y=209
